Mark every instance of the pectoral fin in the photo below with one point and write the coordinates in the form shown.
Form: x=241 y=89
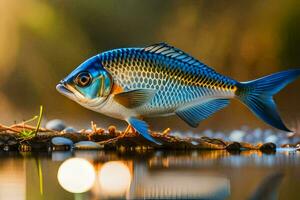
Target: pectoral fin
x=134 y=98
x=142 y=128
x=192 y=115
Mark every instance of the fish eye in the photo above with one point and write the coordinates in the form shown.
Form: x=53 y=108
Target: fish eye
x=83 y=79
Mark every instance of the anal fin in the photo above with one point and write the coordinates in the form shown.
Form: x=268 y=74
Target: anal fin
x=142 y=128
x=192 y=115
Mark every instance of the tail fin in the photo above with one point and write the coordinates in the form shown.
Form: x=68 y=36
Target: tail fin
x=258 y=95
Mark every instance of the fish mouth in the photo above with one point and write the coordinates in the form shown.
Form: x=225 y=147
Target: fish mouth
x=62 y=88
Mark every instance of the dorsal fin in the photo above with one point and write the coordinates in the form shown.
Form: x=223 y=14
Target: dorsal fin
x=172 y=52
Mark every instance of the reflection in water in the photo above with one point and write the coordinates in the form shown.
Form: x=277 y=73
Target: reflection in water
x=114 y=178
x=158 y=175
x=149 y=175
x=119 y=179
x=178 y=184
x=76 y=175
x=12 y=179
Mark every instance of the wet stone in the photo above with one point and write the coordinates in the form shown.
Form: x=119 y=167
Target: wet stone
x=237 y=135
x=257 y=133
x=220 y=135
x=61 y=141
x=55 y=124
x=61 y=144
x=5 y=138
x=6 y=148
x=271 y=139
x=234 y=146
x=7 y=143
x=11 y=142
x=268 y=147
x=267 y=133
x=87 y=145
x=208 y=133
x=249 y=138
x=70 y=130
x=194 y=143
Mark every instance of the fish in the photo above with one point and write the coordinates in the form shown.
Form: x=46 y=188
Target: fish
x=131 y=84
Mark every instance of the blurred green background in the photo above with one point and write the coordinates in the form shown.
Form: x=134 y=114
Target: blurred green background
x=42 y=41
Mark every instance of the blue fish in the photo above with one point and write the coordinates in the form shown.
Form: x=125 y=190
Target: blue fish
x=161 y=80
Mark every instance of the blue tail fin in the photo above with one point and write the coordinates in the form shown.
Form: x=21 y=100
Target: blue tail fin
x=258 y=95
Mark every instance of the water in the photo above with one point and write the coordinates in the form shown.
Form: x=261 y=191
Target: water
x=139 y=175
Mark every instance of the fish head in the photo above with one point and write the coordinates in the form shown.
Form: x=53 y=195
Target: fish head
x=89 y=84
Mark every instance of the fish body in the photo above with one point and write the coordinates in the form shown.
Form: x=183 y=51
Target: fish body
x=161 y=80
x=177 y=82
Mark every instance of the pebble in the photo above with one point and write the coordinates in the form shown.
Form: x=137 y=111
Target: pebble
x=87 y=145
x=257 y=133
x=61 y=144
x=12 y=142
x=189 y=134
x=267 y=133
x=236 y=136
x=6 y=148
x=208 y=133
x=61 y=141
x=8 y=143
x=55 y=124
x=272 y=139
x=220 y=135
x=249 y=138
x=234 y=146
x=70 y=130
x=268 y=147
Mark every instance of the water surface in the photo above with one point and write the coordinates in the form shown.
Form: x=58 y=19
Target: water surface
x=145 y=174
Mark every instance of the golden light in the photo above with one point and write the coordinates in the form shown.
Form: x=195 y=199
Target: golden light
x=76 y=175
x=114 y=178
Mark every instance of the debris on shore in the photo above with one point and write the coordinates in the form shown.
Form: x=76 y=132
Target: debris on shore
x=57 y=136
x=64 y=139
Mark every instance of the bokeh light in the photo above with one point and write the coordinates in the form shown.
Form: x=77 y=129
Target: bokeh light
x=114 y=178
x=76 y=175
